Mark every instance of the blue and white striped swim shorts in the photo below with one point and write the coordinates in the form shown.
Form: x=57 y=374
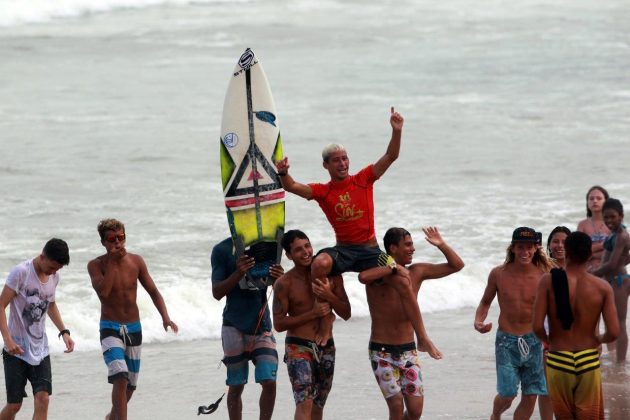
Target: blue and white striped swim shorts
x=121 y=345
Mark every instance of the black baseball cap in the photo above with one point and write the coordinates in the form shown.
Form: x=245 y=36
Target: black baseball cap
x=526 y=234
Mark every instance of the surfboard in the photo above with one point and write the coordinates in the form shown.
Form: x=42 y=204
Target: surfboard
x=250 y=144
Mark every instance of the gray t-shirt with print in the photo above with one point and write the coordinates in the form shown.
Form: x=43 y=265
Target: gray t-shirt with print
x=28 y=310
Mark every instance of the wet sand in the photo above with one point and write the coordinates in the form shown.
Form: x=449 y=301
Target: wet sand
x=177 y=377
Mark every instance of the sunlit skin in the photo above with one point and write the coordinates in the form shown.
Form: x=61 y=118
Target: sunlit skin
x=115 y=277
x=515 y=285
x=297 y=309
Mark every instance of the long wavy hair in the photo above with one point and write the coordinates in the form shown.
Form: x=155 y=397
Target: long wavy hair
x=540 y=259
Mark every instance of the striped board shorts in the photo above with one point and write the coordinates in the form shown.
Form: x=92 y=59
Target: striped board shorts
x=121 y=345
x=239 y=348
x=575 y=384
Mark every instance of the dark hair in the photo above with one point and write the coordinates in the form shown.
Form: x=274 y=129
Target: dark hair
x=589 y=213
x=555 y=230
x=57 y=250
x=613 y=204
x=393 y=236
x=291 y=236
x=578 y=247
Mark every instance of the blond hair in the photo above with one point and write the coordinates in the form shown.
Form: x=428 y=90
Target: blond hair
x=540 y=259
x=330 y=149
x=109 y=224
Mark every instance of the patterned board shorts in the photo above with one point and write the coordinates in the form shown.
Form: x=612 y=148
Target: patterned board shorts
x=397 y=369
x=121 y=345
x=311 y=369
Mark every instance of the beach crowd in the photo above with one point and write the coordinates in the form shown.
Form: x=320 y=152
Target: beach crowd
x=561 y=307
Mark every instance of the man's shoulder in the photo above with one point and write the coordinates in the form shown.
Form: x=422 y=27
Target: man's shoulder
x=416 y=270
x=97 y=260
x=499 y=270
x=18 y=274
x=287 y=278
x=224 y=247
x=21 y=268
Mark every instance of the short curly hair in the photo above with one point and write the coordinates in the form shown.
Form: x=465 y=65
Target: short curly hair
x=109 y=224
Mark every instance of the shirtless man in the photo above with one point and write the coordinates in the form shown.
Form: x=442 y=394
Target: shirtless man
x=573 y=300
x=348 y=203
x=519 y=353
x=616 y=247
x=115 y=277
x=393 y=354
x=296 y=310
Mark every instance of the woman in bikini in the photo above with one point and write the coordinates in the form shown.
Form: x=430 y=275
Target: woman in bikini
x=594 y=225
x=613 y=268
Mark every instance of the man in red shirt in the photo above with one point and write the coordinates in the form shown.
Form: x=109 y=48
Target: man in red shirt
x=347 y=201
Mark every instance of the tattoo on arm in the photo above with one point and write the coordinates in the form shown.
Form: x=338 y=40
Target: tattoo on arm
x=277 y=306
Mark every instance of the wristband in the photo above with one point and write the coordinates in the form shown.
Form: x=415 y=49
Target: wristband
x=62 y=332
x=283 y=173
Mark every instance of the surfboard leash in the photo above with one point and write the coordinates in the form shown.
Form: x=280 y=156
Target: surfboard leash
x=209 y=409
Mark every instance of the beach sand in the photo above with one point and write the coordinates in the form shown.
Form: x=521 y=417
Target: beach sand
x=178 y=377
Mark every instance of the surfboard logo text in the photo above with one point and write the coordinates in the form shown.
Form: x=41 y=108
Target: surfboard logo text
x=247 y=61
x=230 y=140
x=345 y=210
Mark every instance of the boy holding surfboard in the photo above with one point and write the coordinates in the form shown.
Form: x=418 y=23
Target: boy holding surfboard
x=347 y=201
x=246 y=331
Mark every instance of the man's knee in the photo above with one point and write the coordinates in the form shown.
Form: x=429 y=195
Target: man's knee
x=41 y=399
x=12 y=409
x=503 y=402
x=414 y=408
x=268 y=386
x=235 y=391
x=322 y=263
x=396 y=406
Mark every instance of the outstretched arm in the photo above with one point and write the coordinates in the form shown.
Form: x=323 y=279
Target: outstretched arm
x=484 y=304
x=149 y=285
x=393 y=148
x=288 y=183
x=453 y=262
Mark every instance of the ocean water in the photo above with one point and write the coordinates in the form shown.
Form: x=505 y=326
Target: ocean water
x=112 y=108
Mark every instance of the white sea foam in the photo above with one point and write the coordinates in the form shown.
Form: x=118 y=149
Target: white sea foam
x=15 y=12
x=119 y=117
